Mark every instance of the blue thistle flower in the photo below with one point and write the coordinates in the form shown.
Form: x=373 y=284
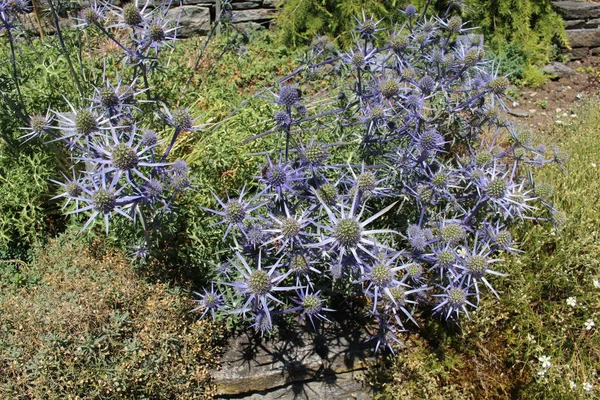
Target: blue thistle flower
x=210 y=301
x=235 y=212
x=346 y=232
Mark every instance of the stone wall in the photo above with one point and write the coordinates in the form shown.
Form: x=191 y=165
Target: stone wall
x=195 y=16
x=582 y=20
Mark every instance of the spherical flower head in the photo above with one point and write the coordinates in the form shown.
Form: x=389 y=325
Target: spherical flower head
x=290 y=228
x=85 y=122
x=476 y=265
x=104 y=201
x=483 y=158
x=439 y=180
x=235 y=211
x=153 y=189
x=457 y=297
x=131 y=15
x=503 y=239
x=282 y=119
x=328 y=193
x=367 y=181
x=259 y=282
x=398 y=293
x=455 y=24
x=316 y=154
x=381 y=275
x=408 y=73
x=414 y=270
x=358 y=59
x=180 y=167
x=452 y=233
x=399 y=43
x=156 y=33
x=524 y=137
x=149 y=138
x=38 y=124
x=73 y=189
x=312 y=304
x=428 y=26
x=108 y=98
x=473 y=56
x=496 y=188
x=413 y=101
x=181 y=120
x=427 y=84
x=299 y=264
x=180 y=182
x=414 y=230
x=445 y=258
x=377 y=112
x=410 y=11
x=389 y=88
x=424 y=192
x=289 y=96
x=499 y=85
x=124 y=157
x=544 y=190
x=418 y=243
x=430 y=140
x=276 y=176
x=91 y=16
x=348 y=232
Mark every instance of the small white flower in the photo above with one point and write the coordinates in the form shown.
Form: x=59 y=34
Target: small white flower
x=589 y=324
x=594 y=165
x=572 y=385
x=596 y=283
x=572 y=301
x=545 y=361
x=587 y=386
x=541 y=372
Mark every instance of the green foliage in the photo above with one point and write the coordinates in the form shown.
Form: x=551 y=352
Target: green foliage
x=24 y=192
x=85 y=325
x=300 y=21
x=523 y=32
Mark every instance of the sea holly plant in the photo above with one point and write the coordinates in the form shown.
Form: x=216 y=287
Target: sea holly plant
x=418 y=216
x=121 y=166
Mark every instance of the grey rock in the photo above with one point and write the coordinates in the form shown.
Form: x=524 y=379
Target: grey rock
x=329 y=363
x=575 y=23
x=595 y=51
x=577 y=10
x=271 y=3
x=246 y=5
x=344 y=387
x=559 y=70
x=592 y=23
x=261 y=14
x=578 y=53
x=583 y=37
x=518 y=112
x=194 y=20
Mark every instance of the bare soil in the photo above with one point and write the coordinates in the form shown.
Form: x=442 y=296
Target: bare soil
x=555 y=102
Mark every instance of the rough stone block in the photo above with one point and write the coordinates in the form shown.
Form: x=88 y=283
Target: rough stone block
x=327 y=363
x=194 y=20
x=261 y=14
x=577 y=10
x=583 y=37
x=578 y=53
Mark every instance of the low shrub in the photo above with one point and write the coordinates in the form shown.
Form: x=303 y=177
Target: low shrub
x=83 y=324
